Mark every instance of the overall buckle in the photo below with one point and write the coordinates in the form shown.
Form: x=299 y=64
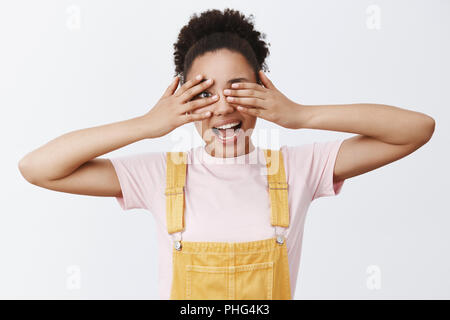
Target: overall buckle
x=280 y=239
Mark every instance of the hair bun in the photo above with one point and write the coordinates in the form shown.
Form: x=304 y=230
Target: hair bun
x=214 y=21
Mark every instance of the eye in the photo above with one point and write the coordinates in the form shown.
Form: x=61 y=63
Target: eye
x=200 y=94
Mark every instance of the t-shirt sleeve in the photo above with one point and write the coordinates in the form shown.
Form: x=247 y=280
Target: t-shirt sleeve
x=140 y=177
x=324 y=156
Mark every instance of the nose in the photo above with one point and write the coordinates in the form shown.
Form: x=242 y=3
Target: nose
x=222 y=106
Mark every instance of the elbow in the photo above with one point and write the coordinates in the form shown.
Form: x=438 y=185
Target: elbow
x=430 y=124
x=427 y=130
x=26 y=171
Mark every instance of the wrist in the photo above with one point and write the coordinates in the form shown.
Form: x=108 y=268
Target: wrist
x=302 y=115
x=143 y=127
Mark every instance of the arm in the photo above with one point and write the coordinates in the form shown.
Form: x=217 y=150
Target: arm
x=384 y=133
x=69 y=163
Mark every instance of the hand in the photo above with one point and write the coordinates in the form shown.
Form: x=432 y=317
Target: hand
x=265 y=102
x=174 y=108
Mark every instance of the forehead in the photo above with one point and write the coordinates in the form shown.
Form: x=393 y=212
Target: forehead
x=221 y=66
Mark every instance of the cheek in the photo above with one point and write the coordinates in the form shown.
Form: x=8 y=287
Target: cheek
x=250 y=121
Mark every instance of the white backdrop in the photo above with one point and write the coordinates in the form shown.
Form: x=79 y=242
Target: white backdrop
x=68 y=65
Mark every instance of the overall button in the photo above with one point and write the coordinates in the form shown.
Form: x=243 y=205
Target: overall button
x=178 y=245
x=280 y=239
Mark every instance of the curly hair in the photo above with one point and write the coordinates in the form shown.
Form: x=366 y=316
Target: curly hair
x=214 y=30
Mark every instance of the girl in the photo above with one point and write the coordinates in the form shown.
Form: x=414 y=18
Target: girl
x=230 y=215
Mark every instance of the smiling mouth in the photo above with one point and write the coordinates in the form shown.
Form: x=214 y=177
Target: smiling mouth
x=228 y=133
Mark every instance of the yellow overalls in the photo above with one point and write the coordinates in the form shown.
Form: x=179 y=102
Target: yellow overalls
x=255 y=270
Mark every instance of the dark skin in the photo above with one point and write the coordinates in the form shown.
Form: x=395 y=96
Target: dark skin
x=383 y=134
x=224 y=67
x=376 y=141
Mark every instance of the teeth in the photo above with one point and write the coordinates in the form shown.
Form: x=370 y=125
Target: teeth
x=229 y=125
x=227 y=138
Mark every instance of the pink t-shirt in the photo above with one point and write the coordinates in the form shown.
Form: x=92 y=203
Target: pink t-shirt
x=227 y=198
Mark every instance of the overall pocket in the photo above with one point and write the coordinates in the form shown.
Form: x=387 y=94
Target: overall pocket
x=254 y=281
x=245 y=282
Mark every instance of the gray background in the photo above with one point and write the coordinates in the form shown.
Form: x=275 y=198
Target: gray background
x=68 y=65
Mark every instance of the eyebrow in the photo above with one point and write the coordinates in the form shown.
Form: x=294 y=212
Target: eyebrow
x=231 y=81
x=237 y=80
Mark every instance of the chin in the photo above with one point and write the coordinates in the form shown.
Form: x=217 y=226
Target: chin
x=231 y=145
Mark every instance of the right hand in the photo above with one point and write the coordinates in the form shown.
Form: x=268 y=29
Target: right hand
x=170 y=111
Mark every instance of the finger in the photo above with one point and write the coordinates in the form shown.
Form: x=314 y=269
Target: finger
x=265 y=80
x=199 y=103
x=254 y=102
x=190 y=117
x=250 y=111
x=190 y=93
x=248 y=85
x=245 y=93
x=188 y=84
x=171 y=88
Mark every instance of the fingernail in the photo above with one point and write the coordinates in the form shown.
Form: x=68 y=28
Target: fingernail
x=198 y=77
x=227 y=91
x=209 y=81
x=235 y=85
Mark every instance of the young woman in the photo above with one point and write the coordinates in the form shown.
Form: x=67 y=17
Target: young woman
x=229 y=227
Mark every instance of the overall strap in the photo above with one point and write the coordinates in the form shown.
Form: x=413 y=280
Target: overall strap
x=175 y=182
x=278 y=188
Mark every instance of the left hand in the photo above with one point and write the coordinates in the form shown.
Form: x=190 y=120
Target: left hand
x=265 y=102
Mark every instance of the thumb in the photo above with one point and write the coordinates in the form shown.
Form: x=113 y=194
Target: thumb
x=172 y=87
x=265 y=80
